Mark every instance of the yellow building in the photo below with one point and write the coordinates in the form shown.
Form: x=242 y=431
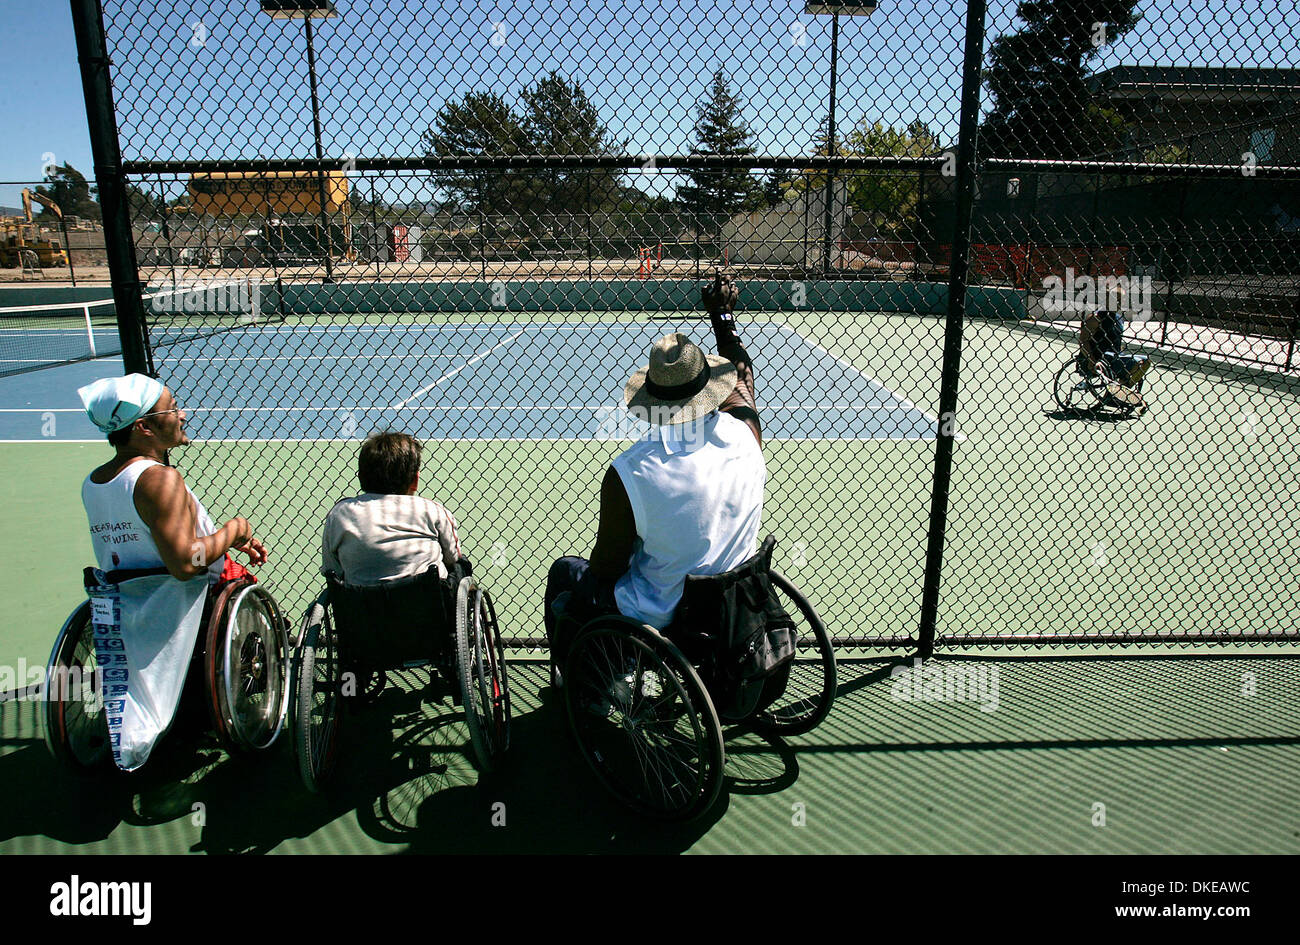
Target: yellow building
x=268 y=193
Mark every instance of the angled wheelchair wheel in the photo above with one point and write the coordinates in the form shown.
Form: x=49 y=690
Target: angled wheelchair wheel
x=481 y=668
x=76 y=726
x=643 y=720
x=1074 y=391
x=810 y=686
x=316 y=693
x=246 y=666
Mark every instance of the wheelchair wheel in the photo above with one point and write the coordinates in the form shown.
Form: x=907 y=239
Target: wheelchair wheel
x=642 y=719
x=481 y=667
x=810 y=687
x=76 y=726
x=316 y=690
x=1074 y=391
x=246 y=666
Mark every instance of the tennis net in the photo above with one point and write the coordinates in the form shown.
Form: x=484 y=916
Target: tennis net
x=40 y=336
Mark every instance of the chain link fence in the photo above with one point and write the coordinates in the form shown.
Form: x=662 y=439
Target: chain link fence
x=471 y=222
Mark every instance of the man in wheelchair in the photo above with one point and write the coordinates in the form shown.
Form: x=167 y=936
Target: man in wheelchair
x=151 y=536
x=686 y=498
x=1101 y=341
x=389 y=536
x=400 y=594
x=388 y=532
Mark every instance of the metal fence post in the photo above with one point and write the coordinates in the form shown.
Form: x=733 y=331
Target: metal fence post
x=92 y=53
x=946 y=432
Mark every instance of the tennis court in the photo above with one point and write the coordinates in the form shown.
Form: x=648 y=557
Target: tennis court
x=446 y=382
x=474 y=232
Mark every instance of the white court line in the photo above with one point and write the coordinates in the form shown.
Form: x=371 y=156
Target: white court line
x=456 y=408
x=320 y=357
x=903 y=400
x=450 y=374
x=381 y=328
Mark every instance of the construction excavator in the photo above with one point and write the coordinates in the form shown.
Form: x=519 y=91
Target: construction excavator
x=21 y=237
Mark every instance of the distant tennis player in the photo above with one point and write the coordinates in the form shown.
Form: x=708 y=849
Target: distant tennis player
x=687 y=498
x=141 y=513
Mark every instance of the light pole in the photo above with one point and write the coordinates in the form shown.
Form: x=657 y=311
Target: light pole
x=834 y=8
x=306 y=10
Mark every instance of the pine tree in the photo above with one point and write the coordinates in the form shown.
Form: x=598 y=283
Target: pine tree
x=481 y=123
x=1038 y=79
x=719 y=129
x=559 y=118
x=68 y=188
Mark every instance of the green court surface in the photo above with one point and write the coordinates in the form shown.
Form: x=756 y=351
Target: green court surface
x=1183 y=752
x=1090 y=755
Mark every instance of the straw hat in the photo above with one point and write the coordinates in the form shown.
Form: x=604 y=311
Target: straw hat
x=680 y=384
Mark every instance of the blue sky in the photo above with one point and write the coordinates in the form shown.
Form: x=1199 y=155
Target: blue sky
x=201 y=78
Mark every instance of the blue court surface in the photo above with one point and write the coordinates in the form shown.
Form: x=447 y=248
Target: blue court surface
x=508 y=381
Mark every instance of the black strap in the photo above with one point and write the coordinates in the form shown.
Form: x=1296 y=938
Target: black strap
x=679 y=391
x=124 y=574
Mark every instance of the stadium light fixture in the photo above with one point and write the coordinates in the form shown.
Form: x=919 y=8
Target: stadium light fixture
x=295 y=9
x=835 y=8
x=307 y=11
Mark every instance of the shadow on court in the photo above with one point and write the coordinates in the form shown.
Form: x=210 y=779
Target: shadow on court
x=1152 y=733
x=405 y=771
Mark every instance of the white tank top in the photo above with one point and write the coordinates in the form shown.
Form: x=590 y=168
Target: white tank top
x=697 y=506
x=121 y=540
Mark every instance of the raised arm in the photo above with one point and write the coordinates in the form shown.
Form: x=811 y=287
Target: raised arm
x=719 y=301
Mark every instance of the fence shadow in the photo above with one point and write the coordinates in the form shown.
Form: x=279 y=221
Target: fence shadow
x=960 y=702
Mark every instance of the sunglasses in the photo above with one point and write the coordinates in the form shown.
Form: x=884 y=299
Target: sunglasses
x=159 y=413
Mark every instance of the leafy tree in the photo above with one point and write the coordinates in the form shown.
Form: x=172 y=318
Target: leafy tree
x=483 y=124
x=68 y=188
x=719 y=129
x=1037 y=76
x=890 y=197
x=559 y=118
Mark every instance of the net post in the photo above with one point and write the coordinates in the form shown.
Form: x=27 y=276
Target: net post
x=90 y=331
x=945 y=434
x=92 y=54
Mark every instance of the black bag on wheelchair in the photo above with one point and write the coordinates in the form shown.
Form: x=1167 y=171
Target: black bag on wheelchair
x=733 y=628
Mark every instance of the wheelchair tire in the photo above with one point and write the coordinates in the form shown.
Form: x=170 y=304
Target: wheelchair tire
x=246 y=667
x=316 y=693
x=810 y=689
x=643 y=720
x=76 y=726
x=481 y=670
x=1073 y=392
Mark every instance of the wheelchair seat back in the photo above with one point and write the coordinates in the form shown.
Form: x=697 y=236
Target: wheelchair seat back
x=732 y=627
x=405 y=622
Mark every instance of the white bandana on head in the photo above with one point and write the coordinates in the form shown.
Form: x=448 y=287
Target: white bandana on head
x=114 y=403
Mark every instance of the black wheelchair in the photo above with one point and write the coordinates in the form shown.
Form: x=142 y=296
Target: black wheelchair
x=352 y=634
x=1084 y=386
x=646 y=707
x=241 y=654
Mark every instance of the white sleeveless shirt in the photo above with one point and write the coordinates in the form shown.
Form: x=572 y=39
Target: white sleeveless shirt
x=121 y=540
x=697 y=504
